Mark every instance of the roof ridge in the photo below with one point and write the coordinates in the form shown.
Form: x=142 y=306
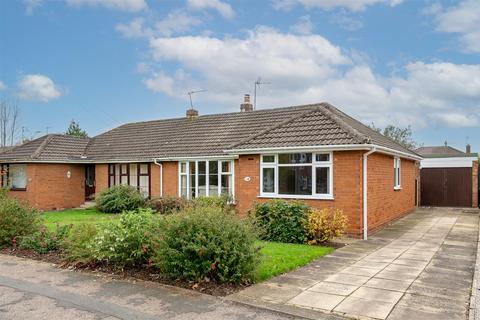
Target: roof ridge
x=330 y=111
x=282 y=123
x=42 y=146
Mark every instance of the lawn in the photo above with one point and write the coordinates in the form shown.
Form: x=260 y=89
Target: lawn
x=276 y=258
x=76 y=216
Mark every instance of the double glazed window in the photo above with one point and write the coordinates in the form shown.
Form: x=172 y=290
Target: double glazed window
x=297 y=175
x=205 y=178
x=134 y=174
x=396 y=173
x=13 y=176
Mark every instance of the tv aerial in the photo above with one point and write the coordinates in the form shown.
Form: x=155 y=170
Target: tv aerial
x=258 y=82
x=190 y=93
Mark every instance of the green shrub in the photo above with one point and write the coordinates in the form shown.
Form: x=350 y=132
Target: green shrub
x=127 y=242
x=121 y=198
x=282 y=221
x=16 y=220
x=167 y=205
x=78 y=245
x=206 y=243
x=44 y=240
x=223 y=202
x=325 y=224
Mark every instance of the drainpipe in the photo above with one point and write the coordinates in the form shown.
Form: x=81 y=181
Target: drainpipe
x=161 y=176
x=365 y=193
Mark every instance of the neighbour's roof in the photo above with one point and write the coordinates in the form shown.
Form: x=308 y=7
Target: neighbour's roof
x=211 y=135
x=442 y=152
x=3 y=149
x=51 y=147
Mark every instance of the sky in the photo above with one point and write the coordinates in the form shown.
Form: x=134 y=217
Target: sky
x=108 y=62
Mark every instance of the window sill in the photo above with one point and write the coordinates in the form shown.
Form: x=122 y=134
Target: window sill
x=300 y=197
x=17 y=189
x=397 y=188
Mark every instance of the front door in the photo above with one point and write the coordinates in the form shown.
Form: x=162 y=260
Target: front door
x=89 y=181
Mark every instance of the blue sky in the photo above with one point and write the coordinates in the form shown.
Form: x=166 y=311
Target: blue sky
x=107 y=62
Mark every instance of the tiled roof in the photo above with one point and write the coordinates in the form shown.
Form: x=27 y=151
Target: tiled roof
x=52 y=147
x=209 y=135
x=442 y=152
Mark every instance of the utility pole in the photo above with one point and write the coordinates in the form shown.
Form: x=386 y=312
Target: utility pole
x=258 y=82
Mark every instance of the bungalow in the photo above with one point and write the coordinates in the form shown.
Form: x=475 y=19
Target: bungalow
x=312 y=152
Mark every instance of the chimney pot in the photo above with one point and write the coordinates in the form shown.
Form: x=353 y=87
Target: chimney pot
x=468 y=148
x=192 y=113
x=246 y=105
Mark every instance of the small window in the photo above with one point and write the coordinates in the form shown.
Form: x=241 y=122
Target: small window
x=268 y=159
x=396 y=173
x=322 y=157
x=268 y=180
x=14 y=176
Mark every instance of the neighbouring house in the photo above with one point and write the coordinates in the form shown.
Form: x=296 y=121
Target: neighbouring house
x=449 y=177
x=315 y=153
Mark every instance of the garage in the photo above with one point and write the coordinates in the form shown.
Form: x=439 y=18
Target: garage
x=448 y=177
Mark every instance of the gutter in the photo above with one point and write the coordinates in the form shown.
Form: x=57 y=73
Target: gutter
x=161 y=176
x=365 y=192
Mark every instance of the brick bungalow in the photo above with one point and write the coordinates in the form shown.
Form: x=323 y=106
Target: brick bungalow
x=312 y=152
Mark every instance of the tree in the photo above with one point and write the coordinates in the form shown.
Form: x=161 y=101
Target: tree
x=75 y=130
x=9 y=117
x=402 y=136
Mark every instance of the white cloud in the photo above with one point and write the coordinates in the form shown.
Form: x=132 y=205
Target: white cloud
x=134 y=29
x=30 y=5
x=3 y=86
x=463 y=19
x=38 y=87
x=124 y=5
x=303 y=26
x=175 y=22
x=308 y=69
x=345 y=20
x=224 y=9
x=353 y=5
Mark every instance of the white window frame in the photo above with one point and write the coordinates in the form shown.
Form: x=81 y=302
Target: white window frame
x=315 y=164
x=397 y=173
x=220 y=173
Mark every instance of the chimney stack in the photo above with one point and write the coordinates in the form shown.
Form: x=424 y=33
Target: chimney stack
x=246 y=105
x=468 y=148
x=192 y=113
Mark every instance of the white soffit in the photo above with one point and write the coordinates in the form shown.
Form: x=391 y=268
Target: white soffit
x=463 y=162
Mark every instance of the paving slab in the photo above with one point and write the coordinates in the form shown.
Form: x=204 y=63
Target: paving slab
x=419 y=267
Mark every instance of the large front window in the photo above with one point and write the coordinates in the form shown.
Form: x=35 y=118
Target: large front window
x=134 y=174
x=13 y=176
x=205 y=178
x=302 y=175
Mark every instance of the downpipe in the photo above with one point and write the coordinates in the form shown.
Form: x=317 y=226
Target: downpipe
x=365 y=192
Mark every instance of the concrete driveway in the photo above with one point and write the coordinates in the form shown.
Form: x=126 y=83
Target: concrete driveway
x=420 y=267
x=36 y=290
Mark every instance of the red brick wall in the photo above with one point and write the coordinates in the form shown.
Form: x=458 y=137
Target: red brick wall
x=347 y=186
x=48 y=187
x=101 y=177
x=385 y=203
x=475 y=184
x=170 y=179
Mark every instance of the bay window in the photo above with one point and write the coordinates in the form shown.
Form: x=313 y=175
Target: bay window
x=297 y=175
x=13 y=176
x=133 y=174
x=205 y=178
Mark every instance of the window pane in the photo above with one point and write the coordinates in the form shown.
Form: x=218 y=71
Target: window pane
x=117 y=173
x=322 y=157
x=133 y=175
x=322 y=185
x=123 y=169
x=213 y=167
x=112 y=180
x=295 y=180
x=183 y=185
x=226 y=184
x=110 y=168
x=18 y=176
x=183 y=167
x=226 y=166
x=202 y=185
x=289 y=158
x=144 y=185
x=268 y=180
x=268 y=158
x=213 y=178
x=123 y=179
x=202 y=167
x=143 y=168
x=193 y=193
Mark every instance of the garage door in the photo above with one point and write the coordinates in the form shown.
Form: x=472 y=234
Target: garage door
x=446 y=187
